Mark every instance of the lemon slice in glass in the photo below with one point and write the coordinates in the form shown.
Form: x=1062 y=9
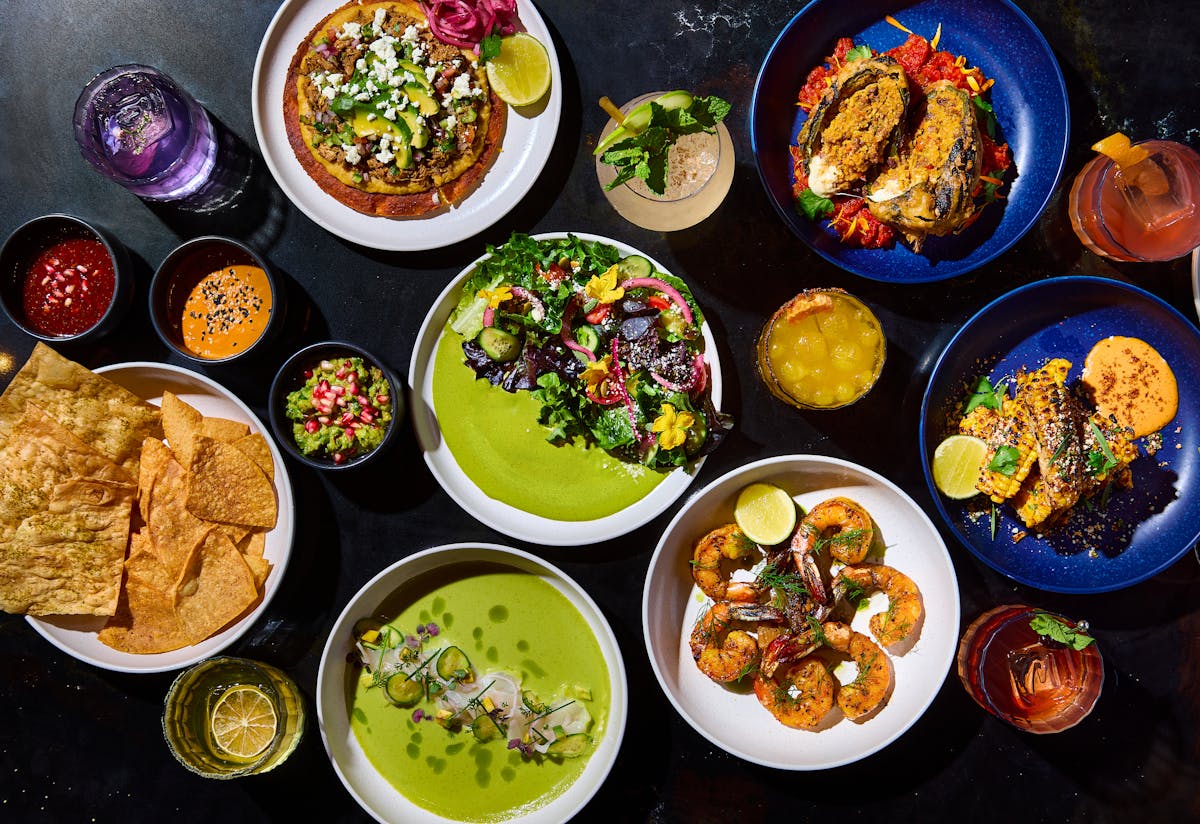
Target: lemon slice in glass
x=244 y=722
x=956 y=464
x=520 y=74
x=765 y=513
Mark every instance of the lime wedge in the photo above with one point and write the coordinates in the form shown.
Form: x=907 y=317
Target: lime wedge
x=956 y=464
x=765 y=513
x=520 y=74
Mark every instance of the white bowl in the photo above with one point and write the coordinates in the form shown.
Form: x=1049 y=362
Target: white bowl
x=370 y=789
x=734 y=720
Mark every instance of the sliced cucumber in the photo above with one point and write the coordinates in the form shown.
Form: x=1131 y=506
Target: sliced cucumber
x=635 y=266
x=588 y=337
x=639 y=118
x=499 y=345
x=403 y=690
x=569 y=746
x=485 y=728
x=453 y=665
x=532 y=702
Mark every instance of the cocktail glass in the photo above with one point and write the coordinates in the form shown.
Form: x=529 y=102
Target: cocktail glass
x=1149 y=211
x=193 y=697
x=1035 y=684
x=136 y=126
x=699 y=173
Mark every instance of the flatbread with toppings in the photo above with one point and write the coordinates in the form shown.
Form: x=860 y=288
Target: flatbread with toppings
x=387 y=118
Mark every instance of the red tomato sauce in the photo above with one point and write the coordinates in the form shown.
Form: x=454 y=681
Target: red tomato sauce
x=924 y=65
x=68 y=287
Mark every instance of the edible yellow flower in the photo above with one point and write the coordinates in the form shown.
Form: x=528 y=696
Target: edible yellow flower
x=595 y=376
x=672 y=426
x=495 y=297
x=603 y=288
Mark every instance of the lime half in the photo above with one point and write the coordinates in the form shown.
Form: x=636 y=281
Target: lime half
x=520 y=74
x=765 y=513
x=956 y=464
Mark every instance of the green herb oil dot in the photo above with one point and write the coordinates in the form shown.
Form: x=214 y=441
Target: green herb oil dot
x=498 y=613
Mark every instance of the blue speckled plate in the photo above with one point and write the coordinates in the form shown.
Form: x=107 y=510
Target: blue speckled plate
x=1029 y=98
x=1142 y=530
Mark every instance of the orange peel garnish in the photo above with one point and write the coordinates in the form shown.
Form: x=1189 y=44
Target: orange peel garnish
x=1117 y=147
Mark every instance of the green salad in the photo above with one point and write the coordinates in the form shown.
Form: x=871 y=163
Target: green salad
x=610 y=346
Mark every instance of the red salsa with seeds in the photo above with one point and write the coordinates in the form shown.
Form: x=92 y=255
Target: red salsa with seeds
x=68 y=287
x=342 y=411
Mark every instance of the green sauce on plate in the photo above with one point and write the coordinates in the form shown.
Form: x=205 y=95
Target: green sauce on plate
x=504 y=620
x=496 y=438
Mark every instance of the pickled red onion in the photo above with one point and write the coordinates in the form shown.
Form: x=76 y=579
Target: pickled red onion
x=464 y=23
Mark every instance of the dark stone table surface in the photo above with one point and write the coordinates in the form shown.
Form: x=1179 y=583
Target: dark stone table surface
x=79 y=743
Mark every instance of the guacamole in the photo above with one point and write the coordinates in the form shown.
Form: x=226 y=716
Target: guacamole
x=342 y=411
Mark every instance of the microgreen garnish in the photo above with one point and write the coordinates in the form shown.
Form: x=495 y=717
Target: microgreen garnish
x=844 y=538
x=1103 y=460
x=644 y=155
x=1006 y=460
x=813 y=206
x=1048 y=626
x=817 y=630
x=1062 y=445
x=858 y=53
x=855 y=594
x=489 y=47
x=986 y=395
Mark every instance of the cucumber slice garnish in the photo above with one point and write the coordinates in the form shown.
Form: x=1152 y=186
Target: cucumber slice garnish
x=569 y=746
x=499 y=345
x=403 y=690
x=639 y=118
x=531 y=701
x=453 y=665
x=485 y=728
x=635 y=266
x=587 y=337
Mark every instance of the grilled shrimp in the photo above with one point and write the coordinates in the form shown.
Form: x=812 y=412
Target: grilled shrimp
x=905 y=609
x=839 y=523
x=722 y=652
x=710 y=564
x=873 y=683
x=801 y=696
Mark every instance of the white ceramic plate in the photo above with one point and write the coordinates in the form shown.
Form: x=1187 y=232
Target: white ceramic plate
x=1196 y=280
x=369 y=788
x=76 y=635
x=528 y=138
x=501 y=516
x=735 y=721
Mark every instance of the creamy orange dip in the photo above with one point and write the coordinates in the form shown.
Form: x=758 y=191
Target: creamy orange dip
x=1128 y=379
x=226 y=312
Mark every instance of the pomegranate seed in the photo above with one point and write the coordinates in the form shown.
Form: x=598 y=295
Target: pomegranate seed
x=67 y=302
x=83 y=270
x=338 y=457
x=339 y=390
x=352 y=388
x=49 y=269
x=311 y=426
x=55 y=262
x=340 y=374
x=349 y=432
x=323 y=385
x=357 y=425
x=382 y=399
x=83 y=285
x=346 y=418
x=45 y=280
x=323 y=420
x=363 y=400
x=326 y=366
x=367 y=416
x=307 y=374
x=347 y=365
x=340 y=401
x=352 y=377
x=70 y=287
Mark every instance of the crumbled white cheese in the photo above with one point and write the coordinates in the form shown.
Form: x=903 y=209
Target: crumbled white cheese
x=371 y=116
x=329 y=92
x=418 y=54
x=362 y=97
x=380 y=14
x=461 y=87
x=350 y=29
x=410 y=34
x=390 y=113
x=450 y=122
x=335 y=78
x=353 y=155
x=384 y=156
x=361 y=64
x=430 y=73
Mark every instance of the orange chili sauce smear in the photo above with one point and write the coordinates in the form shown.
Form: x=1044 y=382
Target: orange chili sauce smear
x=1128 y=379
x=851 y=218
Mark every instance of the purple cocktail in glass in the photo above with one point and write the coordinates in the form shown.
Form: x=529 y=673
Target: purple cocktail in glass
x=137 y=127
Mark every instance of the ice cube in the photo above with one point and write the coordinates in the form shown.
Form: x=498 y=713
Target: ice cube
x=1157 y=191
x=133 y=115
x=1039 y=673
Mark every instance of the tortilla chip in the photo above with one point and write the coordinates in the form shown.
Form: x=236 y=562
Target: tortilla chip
x=67 y=560
x=181 y=422
x=99 y=412
x=143 y=563
x=145 y=621
x=223 y=429
x=256 y=447
x=216 y=586
x=174 y=532
x=252 y=547
x=227 y=486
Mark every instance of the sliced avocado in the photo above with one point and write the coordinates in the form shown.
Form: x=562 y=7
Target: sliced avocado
x=418 y=134
x=417 y=72
x=424 y=100
x=403 y=153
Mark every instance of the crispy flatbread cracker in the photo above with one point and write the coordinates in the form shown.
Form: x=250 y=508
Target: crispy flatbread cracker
x=227 y=486
x=215 y=587
x=67 y=560
x=99 y=412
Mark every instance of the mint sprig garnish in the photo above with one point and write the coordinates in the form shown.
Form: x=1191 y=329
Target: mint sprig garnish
x=1056 y=629
x=644 y=155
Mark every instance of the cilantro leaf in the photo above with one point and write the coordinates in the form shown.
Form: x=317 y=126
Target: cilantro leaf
x=985 y=395
x=1056 y=629
x=813 y=206
x=1006 y=460
x=858 y=53
x=489 y=47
